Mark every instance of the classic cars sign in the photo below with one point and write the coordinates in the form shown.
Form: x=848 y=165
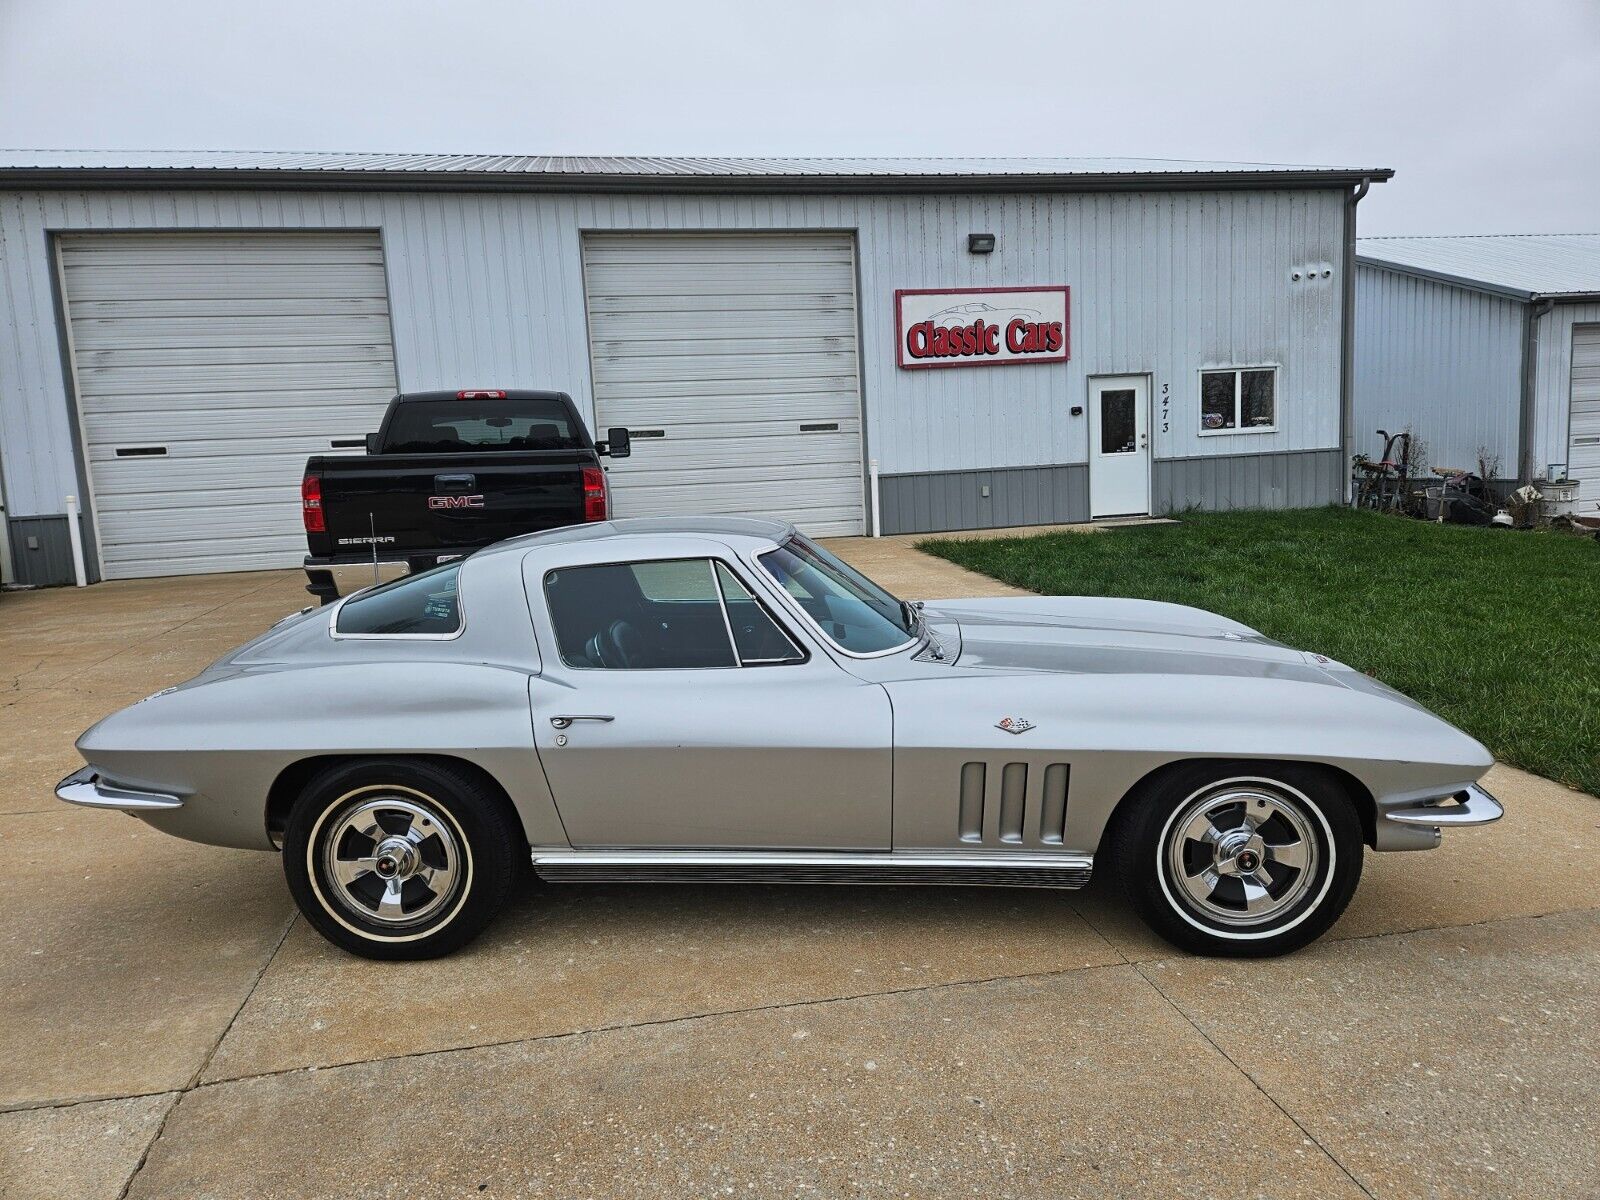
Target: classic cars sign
x=981 y=327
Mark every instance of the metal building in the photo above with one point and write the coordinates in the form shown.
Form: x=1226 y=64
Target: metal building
x=859 y=344
x=1484 y=345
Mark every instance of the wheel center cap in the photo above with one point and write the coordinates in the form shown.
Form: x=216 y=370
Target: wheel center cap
x=1248 y=860
x=395 y=859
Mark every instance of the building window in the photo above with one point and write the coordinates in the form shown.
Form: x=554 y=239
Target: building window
x=1239 y=400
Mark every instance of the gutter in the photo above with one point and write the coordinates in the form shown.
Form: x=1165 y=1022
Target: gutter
x=543 y=181
x=1347 y=338
x=1536 y=309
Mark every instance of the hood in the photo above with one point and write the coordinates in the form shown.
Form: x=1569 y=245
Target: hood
x=1094 y=635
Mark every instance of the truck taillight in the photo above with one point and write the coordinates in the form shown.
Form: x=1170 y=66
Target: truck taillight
x=311 y=504
x=480 y=394
x=594 y=494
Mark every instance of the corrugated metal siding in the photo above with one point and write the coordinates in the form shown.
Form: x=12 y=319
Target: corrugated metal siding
x=1303 y=479
x=1444 y=360
x=486 y=290
x=954 y=499
x=1553 y=382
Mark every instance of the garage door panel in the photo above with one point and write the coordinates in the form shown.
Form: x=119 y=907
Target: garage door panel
x=334 y=421
x=688 y=303
x=241 y=355
x=251 y=377
x=215 y=282
x=728 y=344
x=134 y=333
x=676 y=348
x=650 y=329
x=214 y=309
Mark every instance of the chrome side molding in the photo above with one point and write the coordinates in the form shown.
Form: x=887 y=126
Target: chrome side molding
x=85 y=787
x=989 y=868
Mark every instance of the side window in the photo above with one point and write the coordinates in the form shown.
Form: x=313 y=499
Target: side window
x=425 y=603
x=760 y=640
x=639 y=616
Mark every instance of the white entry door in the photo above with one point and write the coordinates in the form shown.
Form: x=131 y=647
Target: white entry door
x=1119 y=446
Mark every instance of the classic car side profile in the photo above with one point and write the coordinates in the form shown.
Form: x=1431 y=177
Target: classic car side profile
x=723 y=699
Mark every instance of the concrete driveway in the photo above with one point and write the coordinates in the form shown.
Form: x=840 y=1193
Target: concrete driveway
x=168 y=1028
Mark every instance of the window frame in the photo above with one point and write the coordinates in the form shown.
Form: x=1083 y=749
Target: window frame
x=711 y=560
x=798 y=609
x=1238 y=399
x=461 y=611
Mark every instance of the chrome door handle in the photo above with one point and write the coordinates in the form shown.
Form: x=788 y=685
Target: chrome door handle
x=562 y=722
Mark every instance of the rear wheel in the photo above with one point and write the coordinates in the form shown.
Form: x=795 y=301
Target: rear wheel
x=1240 y=859
x=400 y=860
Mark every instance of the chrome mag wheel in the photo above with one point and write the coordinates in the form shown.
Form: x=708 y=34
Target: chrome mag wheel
x=1241 y=853
x=390 y=857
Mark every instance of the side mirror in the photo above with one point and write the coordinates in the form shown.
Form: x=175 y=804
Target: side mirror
x=618 y=443
x=372 y=443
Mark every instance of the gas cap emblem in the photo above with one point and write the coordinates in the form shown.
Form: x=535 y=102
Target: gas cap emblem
x=1014 y=724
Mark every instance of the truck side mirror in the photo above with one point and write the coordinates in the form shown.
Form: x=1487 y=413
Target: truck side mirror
x=618 y=443
x=372 y=443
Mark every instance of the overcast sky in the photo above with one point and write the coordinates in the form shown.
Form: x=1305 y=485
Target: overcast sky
x=1487 y=111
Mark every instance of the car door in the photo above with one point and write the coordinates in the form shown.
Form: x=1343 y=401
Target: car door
x=674 y=710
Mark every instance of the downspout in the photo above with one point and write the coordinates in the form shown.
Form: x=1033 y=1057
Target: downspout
x=1532 y=313
x=1347 y=337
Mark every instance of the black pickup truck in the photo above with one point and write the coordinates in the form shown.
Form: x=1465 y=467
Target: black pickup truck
x=449 y=472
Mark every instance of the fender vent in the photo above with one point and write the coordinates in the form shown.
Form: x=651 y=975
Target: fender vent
x=1028 y=806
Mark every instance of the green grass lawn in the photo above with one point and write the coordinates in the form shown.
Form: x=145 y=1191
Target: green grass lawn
x=1497 y=631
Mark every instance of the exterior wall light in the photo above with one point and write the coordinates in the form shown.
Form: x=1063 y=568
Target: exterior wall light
x=980 y=243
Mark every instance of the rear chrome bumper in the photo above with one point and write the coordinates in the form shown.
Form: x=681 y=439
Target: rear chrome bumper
x=1418 y=822
x=85 y=787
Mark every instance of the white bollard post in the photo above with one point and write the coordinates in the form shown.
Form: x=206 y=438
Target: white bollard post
x=75 y=534
x=872 y=477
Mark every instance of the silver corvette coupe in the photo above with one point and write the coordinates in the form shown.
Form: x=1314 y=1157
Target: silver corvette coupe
x=726 y=700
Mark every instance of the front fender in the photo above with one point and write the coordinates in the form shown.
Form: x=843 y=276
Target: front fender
x=1113 y=730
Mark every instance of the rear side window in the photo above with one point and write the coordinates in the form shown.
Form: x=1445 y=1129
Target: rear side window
x=435 y=426
x=421 y=604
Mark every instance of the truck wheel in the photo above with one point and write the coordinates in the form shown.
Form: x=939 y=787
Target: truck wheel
x=400 y=860
x=1244 y=860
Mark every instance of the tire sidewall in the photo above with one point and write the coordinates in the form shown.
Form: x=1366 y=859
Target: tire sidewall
x=1141 y=848
x=486 y=852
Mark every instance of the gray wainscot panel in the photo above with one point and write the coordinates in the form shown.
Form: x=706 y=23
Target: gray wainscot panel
x=1297 y=479
x=936 y=501
x=48 y=560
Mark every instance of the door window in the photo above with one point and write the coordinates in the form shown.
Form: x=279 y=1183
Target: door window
x=1118 y=427
x=670 y=614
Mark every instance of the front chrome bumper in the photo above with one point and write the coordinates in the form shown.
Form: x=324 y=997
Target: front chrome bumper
x=85 y=787
x=1418 y=821
x=1470 y=806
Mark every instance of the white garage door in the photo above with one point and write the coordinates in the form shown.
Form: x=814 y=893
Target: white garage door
x=733 y=358
x=208 y=368
x=1583 y=458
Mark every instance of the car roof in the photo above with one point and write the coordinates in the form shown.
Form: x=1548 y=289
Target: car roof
x=751 y=528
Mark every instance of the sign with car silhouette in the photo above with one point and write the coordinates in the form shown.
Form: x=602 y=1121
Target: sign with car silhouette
x=981 y=327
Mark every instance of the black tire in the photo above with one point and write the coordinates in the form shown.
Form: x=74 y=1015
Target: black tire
x=439 y=861
x=1304 y=814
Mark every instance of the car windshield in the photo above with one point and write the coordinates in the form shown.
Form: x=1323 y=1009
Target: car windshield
x=847 y=606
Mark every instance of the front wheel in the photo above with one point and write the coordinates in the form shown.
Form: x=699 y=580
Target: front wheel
x=400 y=860
x=1239 y=859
